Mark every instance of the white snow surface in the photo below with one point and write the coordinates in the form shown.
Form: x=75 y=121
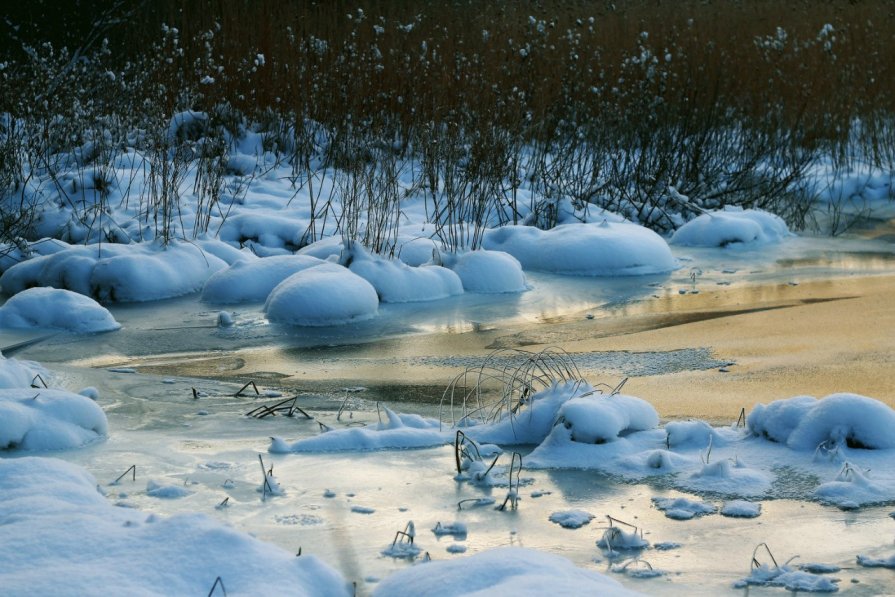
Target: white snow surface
x=42 y=419
x=605 y=249
x=325 y=295
x=503 y=571
x=731 y=226
x=118 y=272
x=54 y=519
x=55 y=308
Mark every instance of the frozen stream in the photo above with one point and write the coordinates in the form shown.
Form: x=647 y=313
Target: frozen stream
x=346 y=508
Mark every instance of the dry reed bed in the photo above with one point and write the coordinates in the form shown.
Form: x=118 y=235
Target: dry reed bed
x=600 y=103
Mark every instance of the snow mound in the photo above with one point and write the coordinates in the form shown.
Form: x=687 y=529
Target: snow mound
x=601 y=419
x=607 y=249
x=253 y=279
x=55 y=308
x=692 y=434
x=683 y=508
x=325 y=295
x=571 y=519
x=732 y=225
x=267 y=231
x=741 y=509
x=54 y=519
x=730 y=476
x=118 y=273
x=501 y=571
x=534 y=421
x=804 y=423
x=398 y=431
x=48 y=420
x=790 y=579
x=19 y=374
x=397 y=282
x=868 y=562
x=488 y=271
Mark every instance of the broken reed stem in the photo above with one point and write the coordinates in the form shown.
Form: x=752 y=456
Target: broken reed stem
x=132 y=469
x=756 y=563
x=342 y=407
x=217 y=581
x=38 y=377
x=637 y=530
x=243 y=388
x=741 y=421
x=266 y=487
x=513 y=493
x=287 y=406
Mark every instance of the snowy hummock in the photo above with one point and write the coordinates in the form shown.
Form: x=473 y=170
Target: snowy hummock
x=56 y=308
x=487 y=271
x=54 y=519
x=731 y=226
x=804 y=423
x=606 y=249
x=503 y=571
x=397 y=282
x=118 y=272
x=252 y=279
x=32 y=419
x=325 y=295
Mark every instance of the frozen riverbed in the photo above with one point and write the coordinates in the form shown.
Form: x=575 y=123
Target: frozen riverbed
x=167 y=381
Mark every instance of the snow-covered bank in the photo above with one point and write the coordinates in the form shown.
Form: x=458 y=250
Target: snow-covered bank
x=62 y=537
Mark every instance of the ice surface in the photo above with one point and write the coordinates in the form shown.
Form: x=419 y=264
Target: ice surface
x=506 y=571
